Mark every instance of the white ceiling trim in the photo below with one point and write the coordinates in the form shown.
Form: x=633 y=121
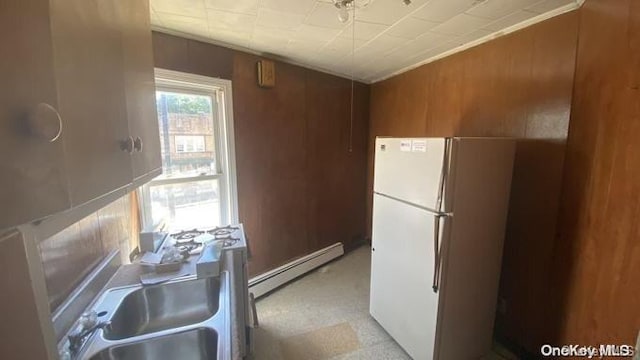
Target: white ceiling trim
x=513 y=28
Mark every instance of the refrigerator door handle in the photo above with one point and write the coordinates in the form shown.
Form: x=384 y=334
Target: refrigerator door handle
x=436 y=250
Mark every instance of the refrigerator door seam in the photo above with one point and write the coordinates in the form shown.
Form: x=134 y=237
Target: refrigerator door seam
x=436 y=212
x=443 y=174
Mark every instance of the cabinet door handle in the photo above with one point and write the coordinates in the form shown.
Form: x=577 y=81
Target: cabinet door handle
x=127 y=145
x=44 y=122
x=137 y=144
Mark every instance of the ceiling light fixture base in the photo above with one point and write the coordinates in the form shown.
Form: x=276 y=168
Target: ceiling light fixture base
x=344 y=6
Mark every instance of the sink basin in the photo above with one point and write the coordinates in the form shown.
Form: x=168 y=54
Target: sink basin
x=161 y=307
x=197 y=344
x=182 y=319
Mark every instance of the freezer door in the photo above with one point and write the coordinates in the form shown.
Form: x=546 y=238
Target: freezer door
x=402 y=268
x=410 y=169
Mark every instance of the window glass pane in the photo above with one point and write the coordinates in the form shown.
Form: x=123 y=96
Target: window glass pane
x=186 y=134
x=186 y=205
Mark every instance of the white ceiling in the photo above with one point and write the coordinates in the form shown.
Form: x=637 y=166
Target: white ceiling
x=390 y=37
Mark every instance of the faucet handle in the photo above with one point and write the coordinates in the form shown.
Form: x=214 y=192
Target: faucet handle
x=88 y=320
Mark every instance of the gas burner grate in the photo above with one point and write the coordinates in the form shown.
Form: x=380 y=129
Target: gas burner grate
x=188 y=247
x=185 y=242
x=228 y=240
x=186 y=236
x=223 y=231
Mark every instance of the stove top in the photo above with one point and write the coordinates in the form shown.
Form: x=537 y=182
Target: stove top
x=187 y=240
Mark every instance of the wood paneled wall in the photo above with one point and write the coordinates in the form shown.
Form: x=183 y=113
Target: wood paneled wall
x=519 y=85
x=597 y=264
x=179 y=54
x=70 y=255
x=300 y=188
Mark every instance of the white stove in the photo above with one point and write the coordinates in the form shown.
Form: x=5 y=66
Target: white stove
x=235 y=253
x=192 y=241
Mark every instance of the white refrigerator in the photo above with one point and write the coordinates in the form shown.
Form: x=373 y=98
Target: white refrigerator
x=439 y=215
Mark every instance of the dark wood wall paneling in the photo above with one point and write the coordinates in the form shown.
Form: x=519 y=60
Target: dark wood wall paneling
x=179 y=54
x=519 y=85
x=597 y=264
x=300 y=188
x=68 y=256
x=337 y=159
x=271 y=160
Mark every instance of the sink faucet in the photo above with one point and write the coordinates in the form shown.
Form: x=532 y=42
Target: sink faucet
x=88 y=325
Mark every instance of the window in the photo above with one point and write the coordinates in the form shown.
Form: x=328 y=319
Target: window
x=197 y=187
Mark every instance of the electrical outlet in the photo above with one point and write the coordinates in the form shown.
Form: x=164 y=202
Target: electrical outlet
x=502 y=306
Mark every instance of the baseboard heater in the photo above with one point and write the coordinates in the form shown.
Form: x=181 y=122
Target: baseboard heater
x=270 y=280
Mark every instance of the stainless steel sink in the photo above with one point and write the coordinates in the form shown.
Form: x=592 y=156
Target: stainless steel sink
x=160 y=307
x=182 y=319
x=197 y=344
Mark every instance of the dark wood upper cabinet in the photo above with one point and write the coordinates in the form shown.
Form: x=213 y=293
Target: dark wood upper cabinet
x=89 y=68
x=91 y=63
x=33 y=181
x=140 y=88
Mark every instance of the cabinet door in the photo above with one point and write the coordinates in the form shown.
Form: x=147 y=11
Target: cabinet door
x=89 y=74
x=24 y=305
x=33 y=182
x=140 y=86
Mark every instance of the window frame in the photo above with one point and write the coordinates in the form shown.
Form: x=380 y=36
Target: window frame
x=220 y=91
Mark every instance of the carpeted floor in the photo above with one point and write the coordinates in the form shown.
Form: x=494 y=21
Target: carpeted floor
x=325 y=315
